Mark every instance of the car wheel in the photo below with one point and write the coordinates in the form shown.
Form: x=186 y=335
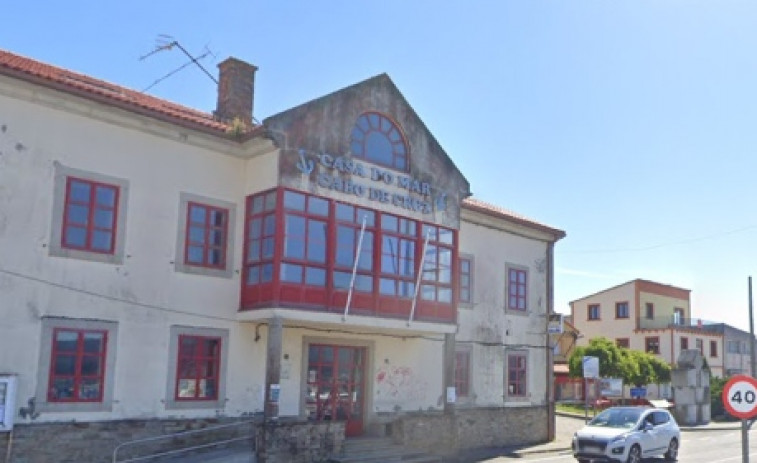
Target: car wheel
x=672 y=453
x=634 y=455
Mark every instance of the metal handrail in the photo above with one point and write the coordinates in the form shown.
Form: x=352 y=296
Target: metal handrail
x=185 y=449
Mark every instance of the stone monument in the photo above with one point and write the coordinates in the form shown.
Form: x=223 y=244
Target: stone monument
x=691 y=388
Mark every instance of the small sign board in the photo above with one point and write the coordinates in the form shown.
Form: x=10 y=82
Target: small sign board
x=611 y=387
x=740 y=397
x=555 y=325
x=638 y=392
x=590 y=367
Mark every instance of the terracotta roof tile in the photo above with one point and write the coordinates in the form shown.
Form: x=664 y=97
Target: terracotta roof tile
x=481 y=206
x=62 y=79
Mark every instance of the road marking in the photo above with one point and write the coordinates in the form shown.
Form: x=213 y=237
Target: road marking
x=731 y=458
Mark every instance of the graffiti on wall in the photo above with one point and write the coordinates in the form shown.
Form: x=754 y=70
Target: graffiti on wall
x=398 y=383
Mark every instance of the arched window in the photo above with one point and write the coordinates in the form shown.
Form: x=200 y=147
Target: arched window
x=376 y=138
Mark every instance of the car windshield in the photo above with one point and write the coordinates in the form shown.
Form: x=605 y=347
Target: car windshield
x=617 y=418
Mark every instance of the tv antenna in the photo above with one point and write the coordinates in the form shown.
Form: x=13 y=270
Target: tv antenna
x=166 y=42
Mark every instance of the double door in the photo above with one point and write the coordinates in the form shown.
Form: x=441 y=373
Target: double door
x=335 y=385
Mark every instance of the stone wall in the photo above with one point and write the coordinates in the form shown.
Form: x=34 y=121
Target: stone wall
x=294 y=441
x=300 y=442
x=471 y=428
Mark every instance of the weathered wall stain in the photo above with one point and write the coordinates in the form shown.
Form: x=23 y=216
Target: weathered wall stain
x=399 y=383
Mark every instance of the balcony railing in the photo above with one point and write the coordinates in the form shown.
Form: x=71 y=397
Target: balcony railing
x=676 y=322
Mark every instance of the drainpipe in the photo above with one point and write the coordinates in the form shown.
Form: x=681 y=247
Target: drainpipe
x=551 y=424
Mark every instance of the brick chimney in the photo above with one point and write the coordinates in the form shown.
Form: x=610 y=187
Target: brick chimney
x=236 y=90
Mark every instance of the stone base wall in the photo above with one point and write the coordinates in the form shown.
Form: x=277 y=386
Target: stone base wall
x=300 y=442
x=283 y=441
x=471 y=428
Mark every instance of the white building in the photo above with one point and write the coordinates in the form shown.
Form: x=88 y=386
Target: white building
x=162 y=265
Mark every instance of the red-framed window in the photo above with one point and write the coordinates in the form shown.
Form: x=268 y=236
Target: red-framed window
x=349 y=227
x=517 y=282
x=77 y=365
x=652 y=344
x=436 y=279
x=713 y=348
x=197 y=368
x=378 y=139
x=462 y=373
x=90 y=216
x=621 y=310
x=300 y=249
x=260 y=242
x=399 y=237
x=684 y=343
x=593 y=312
x=207 y=236
x=303 y=259
x=466 y=280
x=517 y=372
x=623 y=342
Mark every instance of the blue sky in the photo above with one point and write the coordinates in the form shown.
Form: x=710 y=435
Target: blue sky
x=628 y=124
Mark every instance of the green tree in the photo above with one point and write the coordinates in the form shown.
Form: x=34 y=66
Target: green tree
x=613 y=361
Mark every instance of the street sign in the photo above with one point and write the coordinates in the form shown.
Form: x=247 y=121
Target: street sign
x=638 y=392
x=591 y=367
x=740 y=397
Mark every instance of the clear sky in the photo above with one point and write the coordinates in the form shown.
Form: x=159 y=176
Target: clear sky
x=630 y=124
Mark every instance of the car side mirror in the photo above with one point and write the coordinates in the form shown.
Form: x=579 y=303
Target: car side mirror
x=647 y=426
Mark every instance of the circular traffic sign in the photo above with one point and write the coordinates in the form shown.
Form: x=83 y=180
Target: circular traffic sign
x=740 y=396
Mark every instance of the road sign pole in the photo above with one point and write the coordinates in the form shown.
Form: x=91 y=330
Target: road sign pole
x=740 y=400
x=744 y=442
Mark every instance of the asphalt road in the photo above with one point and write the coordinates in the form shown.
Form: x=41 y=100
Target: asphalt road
x=701 y=446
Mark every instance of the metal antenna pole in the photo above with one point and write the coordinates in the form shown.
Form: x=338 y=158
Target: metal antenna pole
x=354 y=269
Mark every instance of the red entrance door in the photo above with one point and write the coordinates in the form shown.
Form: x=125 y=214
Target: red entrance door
x=335 y=385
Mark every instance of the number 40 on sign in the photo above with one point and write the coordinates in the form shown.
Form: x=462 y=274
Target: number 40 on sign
x=740 y=397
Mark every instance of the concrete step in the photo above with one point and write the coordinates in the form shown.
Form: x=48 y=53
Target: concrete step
x=380 y=450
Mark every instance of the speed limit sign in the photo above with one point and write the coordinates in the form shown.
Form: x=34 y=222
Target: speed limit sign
x=740 y=396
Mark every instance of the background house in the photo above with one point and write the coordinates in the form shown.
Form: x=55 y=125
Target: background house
x=648 y=316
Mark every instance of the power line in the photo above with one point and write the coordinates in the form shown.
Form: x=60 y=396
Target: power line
x=663 y=245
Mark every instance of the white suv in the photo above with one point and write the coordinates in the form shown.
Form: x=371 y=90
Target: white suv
x=626 y=435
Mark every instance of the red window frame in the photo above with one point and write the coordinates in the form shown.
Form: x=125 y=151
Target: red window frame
x=517 y=374
x=436 y=278
x=397 y=272
x=517 y=289
x=713 y=348
x=593 y=312
x=398 y=267
x=621 y=313
x=309 y=265
x=462 y=373
x=347 y=245
x=684 y=343
x=260 y=238
x=623 y=342
x=95 y=222
x=465 y=294
x=652 y=344
x=81 y=358
x=198 y=360
x=208 y=228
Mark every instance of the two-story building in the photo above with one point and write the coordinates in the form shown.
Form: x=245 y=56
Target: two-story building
x=647 y=316
x=324 y=274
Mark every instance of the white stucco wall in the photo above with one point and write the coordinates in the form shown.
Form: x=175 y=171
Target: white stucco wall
x=144 y=294
x=491 y=331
